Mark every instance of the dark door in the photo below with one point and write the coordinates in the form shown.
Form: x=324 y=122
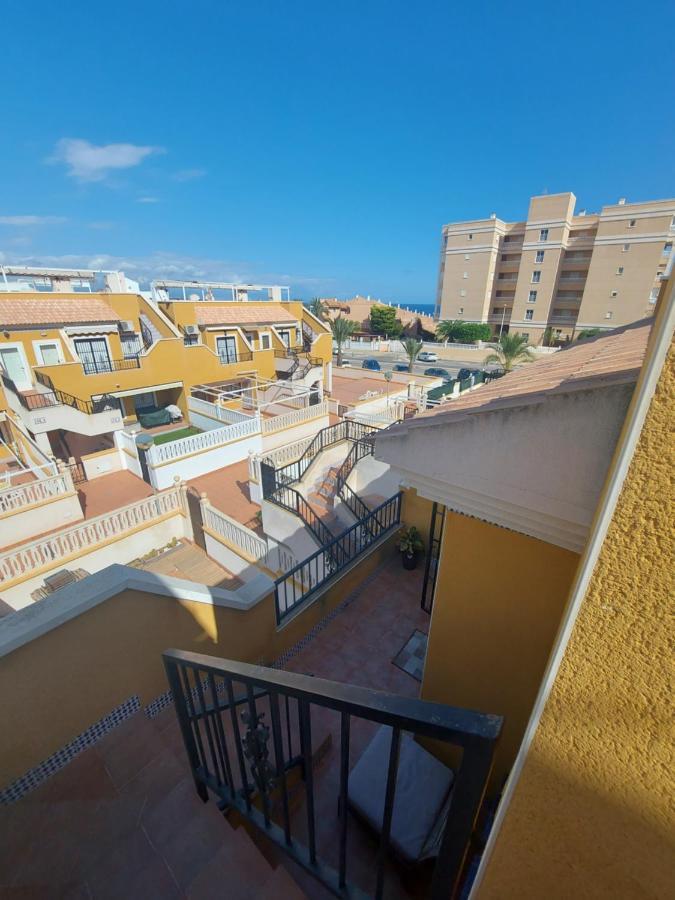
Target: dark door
x=227 y=349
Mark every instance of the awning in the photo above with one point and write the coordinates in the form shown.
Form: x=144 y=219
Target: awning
x=147 y=390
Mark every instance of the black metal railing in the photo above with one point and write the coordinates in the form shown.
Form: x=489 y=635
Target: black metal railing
x=244 y=759
x=101 y=366
x=290 y=499
x=146 y=336
x=304 y=579
x=229 y=359
x=346 y=430
x=54 y=397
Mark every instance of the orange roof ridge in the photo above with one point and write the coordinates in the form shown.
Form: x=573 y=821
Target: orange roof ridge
x=612 y=358
x=31 y=311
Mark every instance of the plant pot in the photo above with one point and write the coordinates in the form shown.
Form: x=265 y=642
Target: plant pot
x=409 y=560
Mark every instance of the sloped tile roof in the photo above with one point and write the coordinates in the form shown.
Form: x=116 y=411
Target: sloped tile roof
x=210 y=313
x=612 y=358
x=21 y=312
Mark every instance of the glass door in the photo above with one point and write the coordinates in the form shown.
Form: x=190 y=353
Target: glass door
x=93 y=353
x=227 y=349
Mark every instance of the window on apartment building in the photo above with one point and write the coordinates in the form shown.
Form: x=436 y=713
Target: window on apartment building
x=532 y=297
x=227 y=348
x=190 y=340
x=529 y=314
x=625 y=248
x=467 y=256
x=613 y=293
x=460 y=311
x=540 y=256
x=619 y=271
x=465 y=274
x=504 y=257
x=525 y=335
x=543 y=234
x=462 y=293
x=609 y=314
x=536 y=276
x=632 y=222
x=131 y=345
x=93 y=354
x=667 y=248
x=653 y=295
x=470 y=237
x=265 y=341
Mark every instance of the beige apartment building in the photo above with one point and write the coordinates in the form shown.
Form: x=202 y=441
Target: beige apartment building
x=559 y=269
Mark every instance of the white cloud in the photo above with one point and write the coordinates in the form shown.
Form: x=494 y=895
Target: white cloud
x=169 y=265
x=148 y=200
x=91 y=162
x=26 y=221
x=188 y=174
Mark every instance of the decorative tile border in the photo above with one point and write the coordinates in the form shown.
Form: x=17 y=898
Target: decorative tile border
x=50 y=766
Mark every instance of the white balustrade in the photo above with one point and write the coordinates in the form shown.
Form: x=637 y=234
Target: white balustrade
x=205 y=440
x=22 y=495
x=295 y=417
x=215 y=411
x=252 y=547
x=78 y=539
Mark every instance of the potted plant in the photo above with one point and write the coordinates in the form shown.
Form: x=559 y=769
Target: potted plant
x=410 y=544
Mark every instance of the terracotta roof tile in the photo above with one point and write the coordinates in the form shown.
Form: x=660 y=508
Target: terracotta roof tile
x=210 y=313
x=612 y=358
x=68 y=310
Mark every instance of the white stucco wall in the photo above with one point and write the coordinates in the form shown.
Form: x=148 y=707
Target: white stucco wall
x=290 y=435
x=122 y=551
x=103 y=464
x=28 y=523
x=201 y=463
x=538 y=469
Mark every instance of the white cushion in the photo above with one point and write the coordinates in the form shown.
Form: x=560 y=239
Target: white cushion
x=422 y=786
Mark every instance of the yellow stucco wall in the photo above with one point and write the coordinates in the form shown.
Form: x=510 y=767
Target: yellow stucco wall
x=416 y=511
x=592 y=814
x=56 y=686
x=497 y=607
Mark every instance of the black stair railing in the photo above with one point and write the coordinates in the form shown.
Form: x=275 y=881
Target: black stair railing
x=242 y=726
x=300 y=583
x=290 y=499
x=46 y=399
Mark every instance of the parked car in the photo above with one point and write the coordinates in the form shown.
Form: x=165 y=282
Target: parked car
x=465 y=373
x=427 y=356
x=438 y=373
x=372 y=364
x=401 y=367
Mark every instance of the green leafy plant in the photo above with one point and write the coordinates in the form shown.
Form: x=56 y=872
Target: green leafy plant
x=409 y=540
x=587 y=333
x=318 y=308
x=342 y=330
x=412 y=347
x=512 y=350
x=463 y=332
x=383 y=321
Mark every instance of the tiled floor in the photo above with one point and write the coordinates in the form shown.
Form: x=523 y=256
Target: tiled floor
x=227 y=489
x=108 y=492
x=122 y=819
x=188 y=562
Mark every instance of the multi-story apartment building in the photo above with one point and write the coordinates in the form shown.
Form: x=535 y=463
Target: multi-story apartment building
x=558 y=270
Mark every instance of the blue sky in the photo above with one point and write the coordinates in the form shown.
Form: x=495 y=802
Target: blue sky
x=321 y=145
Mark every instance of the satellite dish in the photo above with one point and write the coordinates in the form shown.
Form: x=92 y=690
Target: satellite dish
x=194 y=297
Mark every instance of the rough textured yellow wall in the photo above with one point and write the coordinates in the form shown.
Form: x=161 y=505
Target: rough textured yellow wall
x=499 y=599
x=592 y=815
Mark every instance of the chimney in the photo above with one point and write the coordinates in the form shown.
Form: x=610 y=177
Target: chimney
x=493 y=215
x=622 y=201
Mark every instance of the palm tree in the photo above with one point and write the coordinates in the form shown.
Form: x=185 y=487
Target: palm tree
x=342 y=330
x=445 y=331
x=412 y=347
x=512 y=350
x=318 y=308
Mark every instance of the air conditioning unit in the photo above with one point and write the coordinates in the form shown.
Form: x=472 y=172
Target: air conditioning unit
x=191 y=329
x=126 y=327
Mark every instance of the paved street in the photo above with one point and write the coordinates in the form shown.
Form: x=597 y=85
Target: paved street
x=389 y=359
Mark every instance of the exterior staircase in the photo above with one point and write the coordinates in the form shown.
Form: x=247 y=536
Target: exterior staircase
x=149 y=333
x=123 y=820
